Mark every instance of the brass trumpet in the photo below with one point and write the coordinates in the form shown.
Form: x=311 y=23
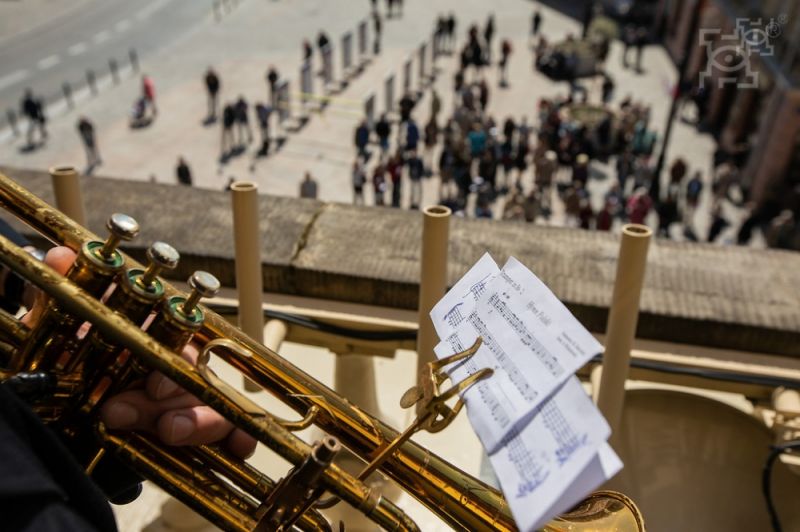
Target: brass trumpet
x=225 y=490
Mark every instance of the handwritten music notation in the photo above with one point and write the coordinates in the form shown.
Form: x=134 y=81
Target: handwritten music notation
x=545 y=438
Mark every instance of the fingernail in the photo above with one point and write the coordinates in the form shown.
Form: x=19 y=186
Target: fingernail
x=181 y=428
x=122 y=415
x=165 y=388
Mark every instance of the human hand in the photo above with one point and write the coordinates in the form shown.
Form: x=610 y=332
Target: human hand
x=158 y=405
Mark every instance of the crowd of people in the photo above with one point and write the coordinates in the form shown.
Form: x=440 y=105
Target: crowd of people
x=515 y=169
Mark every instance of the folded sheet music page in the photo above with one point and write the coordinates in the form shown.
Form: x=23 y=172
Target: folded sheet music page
x=545 y=438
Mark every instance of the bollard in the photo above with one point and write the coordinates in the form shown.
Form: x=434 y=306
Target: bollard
x=433 y=277
x=112 y=66
x=217 y=7
x=133 y=57
x=68 y=95
x=12 y=121
x=67 y=191
x=622 y=317
x=249 y=283
x=91 y=82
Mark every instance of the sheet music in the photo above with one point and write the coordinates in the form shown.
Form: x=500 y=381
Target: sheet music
x=546 y=442
x=530 y=340
x=549 y=466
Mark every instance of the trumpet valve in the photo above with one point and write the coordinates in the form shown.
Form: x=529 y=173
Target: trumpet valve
x=121 y=227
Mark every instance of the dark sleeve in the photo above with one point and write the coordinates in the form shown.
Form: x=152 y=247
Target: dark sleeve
x=13 y=286
x=42 y=488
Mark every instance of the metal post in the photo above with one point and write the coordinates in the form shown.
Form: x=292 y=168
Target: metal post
x=388 y=93
x=282 y=102
x=407 y=76
x=249 y=283
x=622 y=317
x=362 y=40
x=327 y=67
x=12 y=121
x=68 y=95
x=655 y=184
x=433 y=277
x=112 y=66
x=133 y=57
x=91 y=82
x=347 y=54
x=369 y=110
x=306 y=87
x=67 y=191
x=422 y=74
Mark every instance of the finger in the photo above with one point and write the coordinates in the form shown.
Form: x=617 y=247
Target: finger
x=60 y=259
x=193 y=426
x=135 y=410
x=241 y=443
x=159 y=386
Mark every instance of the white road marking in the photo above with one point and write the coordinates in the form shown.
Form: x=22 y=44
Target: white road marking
x=48 y=62
x=122 y=25
x=147 y=11
x=78 y=49
x=102 y=37
x=14 y=77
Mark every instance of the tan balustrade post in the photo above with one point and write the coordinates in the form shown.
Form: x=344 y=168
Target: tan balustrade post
x=249 y=284
x=67 y=190
x=433 y=277
x=622 y=318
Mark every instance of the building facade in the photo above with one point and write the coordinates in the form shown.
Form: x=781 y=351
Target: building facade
x=746 y=54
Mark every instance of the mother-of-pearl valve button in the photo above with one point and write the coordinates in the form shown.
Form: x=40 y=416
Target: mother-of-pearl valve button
x=162 y=256
x=203 y=284
x=121 y=227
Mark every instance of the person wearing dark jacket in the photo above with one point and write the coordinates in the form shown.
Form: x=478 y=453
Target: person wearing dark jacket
x=361 y=140
x=212 y=87
x=183 y=172
x=33 y=109
x=383 y=129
